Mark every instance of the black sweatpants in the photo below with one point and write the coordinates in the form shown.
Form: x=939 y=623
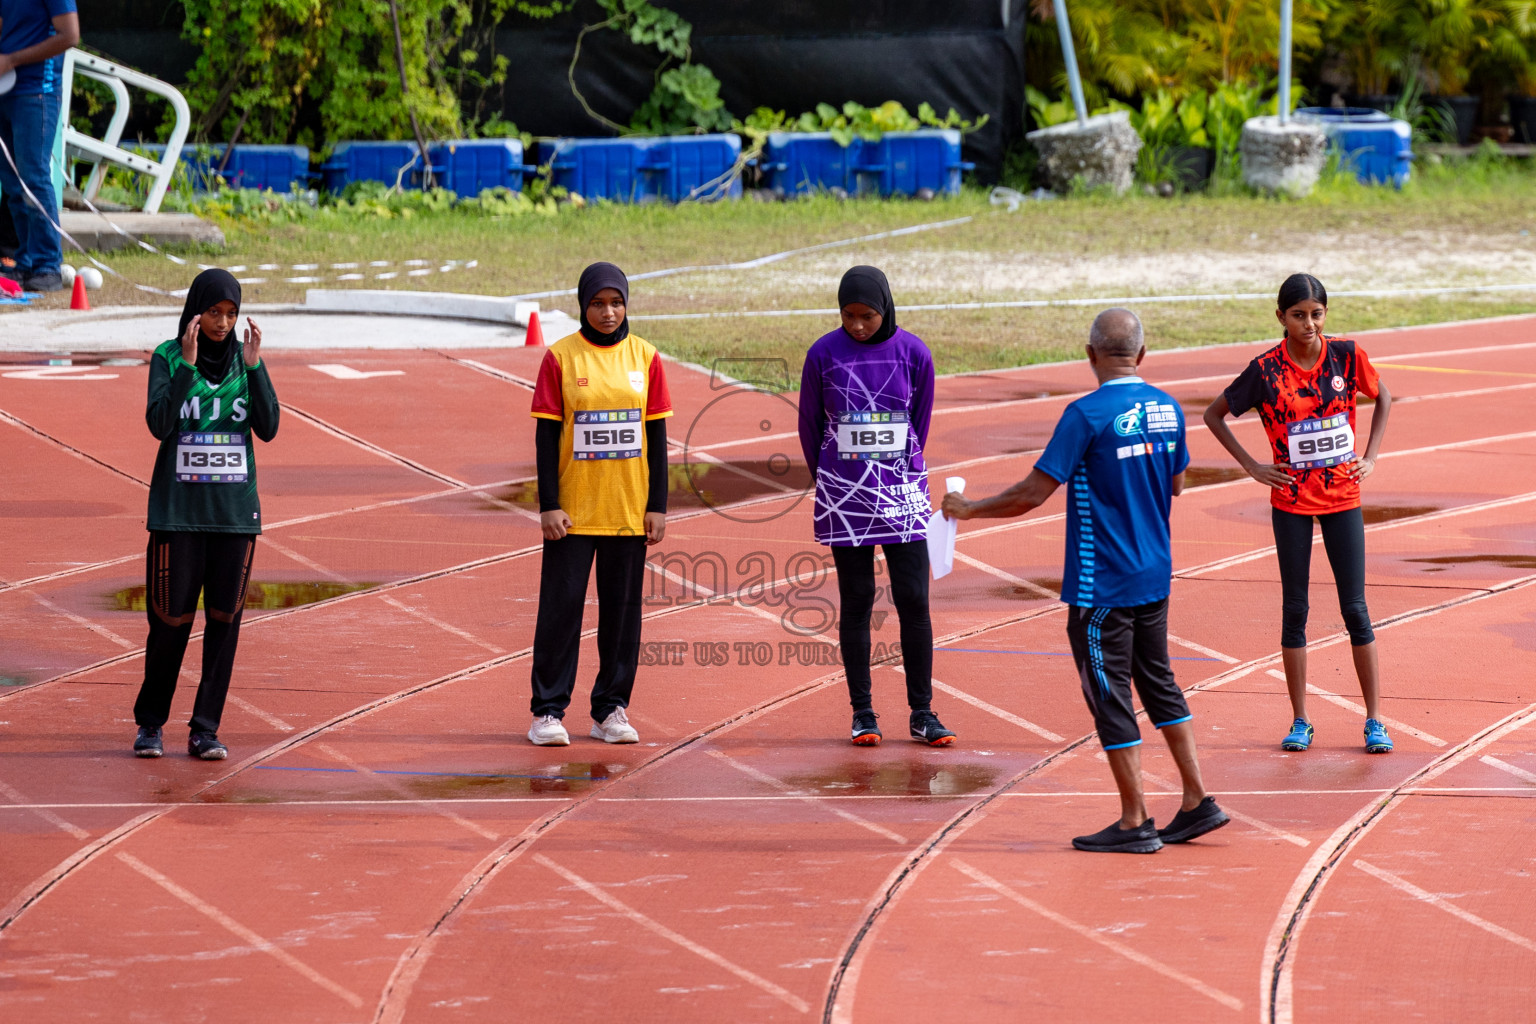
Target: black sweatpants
x=1344 y=541
x=557 y=634
x=1115 y=648
x=907 y=568
x=180 y=567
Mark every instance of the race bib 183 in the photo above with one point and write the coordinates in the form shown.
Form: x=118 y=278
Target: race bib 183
x=871 y=435
x=211 y=459
x=1316 y=443
x=606 y=434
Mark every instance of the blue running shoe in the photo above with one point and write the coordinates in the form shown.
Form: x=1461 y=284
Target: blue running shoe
x=1376 y=739
x=1300 y=736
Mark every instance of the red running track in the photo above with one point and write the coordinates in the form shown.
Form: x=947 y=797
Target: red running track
x=384 y=846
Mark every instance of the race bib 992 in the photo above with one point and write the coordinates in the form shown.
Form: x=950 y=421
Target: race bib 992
x=1325 y=441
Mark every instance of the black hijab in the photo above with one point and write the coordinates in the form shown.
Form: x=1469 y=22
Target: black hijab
x=867 y=285
x=210 y=288
x=593 y=280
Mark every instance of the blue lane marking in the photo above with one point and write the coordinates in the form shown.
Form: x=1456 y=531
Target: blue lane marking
x=1046 y=654
x=454 y=775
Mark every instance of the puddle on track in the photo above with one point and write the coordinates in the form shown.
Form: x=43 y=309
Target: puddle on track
x=570 y=777
x=702 y=484
x=1387 y=513
x=259 y=596
x=1507 y=561
x=1204 y=476
x=896 y=778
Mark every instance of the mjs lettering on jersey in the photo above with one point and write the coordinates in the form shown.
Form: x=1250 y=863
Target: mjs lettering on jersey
x=193 y=409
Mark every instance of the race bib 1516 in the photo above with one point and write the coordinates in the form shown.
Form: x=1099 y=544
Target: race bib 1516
x=871 y=435
x=211 y=459
x=1315 y=443
x=606 y=434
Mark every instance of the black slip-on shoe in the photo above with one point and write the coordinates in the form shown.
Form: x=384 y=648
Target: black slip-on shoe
x=52 y=281
x=1187 y=825
x=866 y=733
x=149 y=743
x=1141 y=839
x=926 y=728
x=206 y=747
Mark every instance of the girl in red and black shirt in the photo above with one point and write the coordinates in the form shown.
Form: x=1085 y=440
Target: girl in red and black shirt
x=1304 y=389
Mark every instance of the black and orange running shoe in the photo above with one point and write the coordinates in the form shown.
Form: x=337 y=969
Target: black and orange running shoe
x=927 y=728
x=866 y=733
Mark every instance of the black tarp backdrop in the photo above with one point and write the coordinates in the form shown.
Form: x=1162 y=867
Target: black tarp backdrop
x=789 y=55
x=785 y=54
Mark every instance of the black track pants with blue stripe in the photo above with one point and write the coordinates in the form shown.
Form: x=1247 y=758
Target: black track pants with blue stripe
x=1115 y=647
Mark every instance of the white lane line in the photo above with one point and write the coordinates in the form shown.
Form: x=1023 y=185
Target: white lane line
x=80 y=620
x=1505 y=766
x=1398 y=882
x=1093 y=935
x=1345 y=702
x=393 y=783
x=45 y=812
x=1276 y=981
x=992 y=709
x=1198 y=649
x=810 y=798
x=782 y=994
x=387 y=598
x=991 y=570
x=252 y=709
x=369 y=446
x=1470 y=393
x=1460 y=510
x=229 y=924
x=1251 y=822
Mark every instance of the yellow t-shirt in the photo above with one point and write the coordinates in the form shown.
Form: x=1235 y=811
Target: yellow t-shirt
x=603 y=397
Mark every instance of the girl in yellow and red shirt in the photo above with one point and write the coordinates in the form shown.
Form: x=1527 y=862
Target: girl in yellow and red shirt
x=1304 y=389
x=602 y=405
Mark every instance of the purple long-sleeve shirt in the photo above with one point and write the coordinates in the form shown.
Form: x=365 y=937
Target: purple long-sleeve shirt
x=864 y=414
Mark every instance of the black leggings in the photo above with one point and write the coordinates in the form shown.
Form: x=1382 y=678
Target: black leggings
x=181 y=567
x=907 y=567
x=1344 y=541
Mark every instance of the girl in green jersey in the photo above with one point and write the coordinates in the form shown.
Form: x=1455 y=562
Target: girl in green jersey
x=208 y=393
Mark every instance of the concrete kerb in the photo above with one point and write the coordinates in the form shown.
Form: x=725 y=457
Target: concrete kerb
x=1101 y=152
x=1283 y=157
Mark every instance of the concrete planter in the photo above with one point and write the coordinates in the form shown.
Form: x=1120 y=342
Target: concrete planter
x=1282 y=157
x=1102 y=152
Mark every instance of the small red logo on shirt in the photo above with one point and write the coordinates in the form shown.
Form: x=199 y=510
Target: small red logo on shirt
x=1338 y=383
x=581 y=382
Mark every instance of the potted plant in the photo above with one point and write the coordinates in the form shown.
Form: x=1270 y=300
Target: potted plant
x=1368 y=36
x=1175 y=144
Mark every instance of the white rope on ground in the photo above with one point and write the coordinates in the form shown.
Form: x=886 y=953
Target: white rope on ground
x=421 y=268
x=761 y=261
x=1122 y=300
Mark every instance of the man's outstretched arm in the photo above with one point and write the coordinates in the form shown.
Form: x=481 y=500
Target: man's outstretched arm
x=1029 y=493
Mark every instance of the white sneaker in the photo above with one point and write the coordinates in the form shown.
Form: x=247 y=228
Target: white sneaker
x=615 y=729
x=546 y=731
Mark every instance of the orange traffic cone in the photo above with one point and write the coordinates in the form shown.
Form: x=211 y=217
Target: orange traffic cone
x=77 y=300
x=535 y=332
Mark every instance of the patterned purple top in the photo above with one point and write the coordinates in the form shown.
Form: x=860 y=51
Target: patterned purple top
x=864 y=414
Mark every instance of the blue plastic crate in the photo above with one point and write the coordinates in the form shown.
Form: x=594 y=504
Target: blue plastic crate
x=374 y=161
x=1375 y=146
x=900 y=163
x=262 y=167
x=645 y=169
x=469 y=166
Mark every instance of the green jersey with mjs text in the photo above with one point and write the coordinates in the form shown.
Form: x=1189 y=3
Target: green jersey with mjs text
x=205 y=473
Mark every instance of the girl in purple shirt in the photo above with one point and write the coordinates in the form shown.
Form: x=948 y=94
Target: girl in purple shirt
x=866 y=397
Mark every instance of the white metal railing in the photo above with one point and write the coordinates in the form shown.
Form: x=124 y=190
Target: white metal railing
x=98 y=152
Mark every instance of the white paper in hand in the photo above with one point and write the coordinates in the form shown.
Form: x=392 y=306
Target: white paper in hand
x=7 y=82
x=941 y=535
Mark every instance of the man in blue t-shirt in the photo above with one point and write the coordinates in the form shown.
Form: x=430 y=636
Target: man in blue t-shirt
x=33 y=36
x=1121 y=452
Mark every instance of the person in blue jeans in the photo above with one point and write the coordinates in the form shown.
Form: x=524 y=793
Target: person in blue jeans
x=1120 y=451
x=33 y=37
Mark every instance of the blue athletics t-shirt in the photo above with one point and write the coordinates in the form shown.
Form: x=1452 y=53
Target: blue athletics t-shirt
x=25 y=23
x=1117 y=451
